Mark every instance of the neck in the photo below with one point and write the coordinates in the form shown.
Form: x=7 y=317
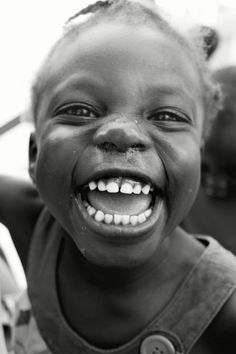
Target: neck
x=109 y=306
x=113 y=279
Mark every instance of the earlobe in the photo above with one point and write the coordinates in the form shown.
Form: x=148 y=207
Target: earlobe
x=32 y=156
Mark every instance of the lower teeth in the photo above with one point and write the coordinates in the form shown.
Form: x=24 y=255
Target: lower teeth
x=117 y=219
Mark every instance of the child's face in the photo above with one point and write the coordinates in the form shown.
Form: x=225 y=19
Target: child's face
x=122 y=111
x=219 y=158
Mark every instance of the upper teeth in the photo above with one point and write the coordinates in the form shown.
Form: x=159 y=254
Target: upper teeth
x=115 y=185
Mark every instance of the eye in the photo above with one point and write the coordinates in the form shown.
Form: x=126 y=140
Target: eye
x=169 y=115
x=79 y=110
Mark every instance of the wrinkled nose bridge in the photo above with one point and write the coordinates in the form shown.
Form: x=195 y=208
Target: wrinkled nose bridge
x=121 y=135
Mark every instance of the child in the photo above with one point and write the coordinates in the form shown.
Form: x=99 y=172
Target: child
x=219 y=158
x=119 y=108
x=217 y=195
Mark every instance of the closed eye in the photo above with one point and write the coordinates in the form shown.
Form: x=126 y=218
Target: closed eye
x=169 y=115
x=80 y=110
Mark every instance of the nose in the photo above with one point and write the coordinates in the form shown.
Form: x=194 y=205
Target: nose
x=121 y=135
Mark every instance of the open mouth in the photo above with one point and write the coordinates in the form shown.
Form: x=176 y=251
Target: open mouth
x=120 y=201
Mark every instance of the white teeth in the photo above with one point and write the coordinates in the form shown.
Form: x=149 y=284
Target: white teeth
x=86 y=204
x=92 y=185
x=112 y=187
x=148 y=212
x=91 y=210
x=126 y=188
x=117 y=219
x=125 y=219
x=146 y=189
x=137 y=189
x=133 y=220
x=99 y=216
x=141 y=218
x=108 y=218
x=101 y=186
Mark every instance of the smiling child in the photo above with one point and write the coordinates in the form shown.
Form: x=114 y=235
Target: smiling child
x=120 y=107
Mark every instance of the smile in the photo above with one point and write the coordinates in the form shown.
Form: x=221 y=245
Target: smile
x=119 y=201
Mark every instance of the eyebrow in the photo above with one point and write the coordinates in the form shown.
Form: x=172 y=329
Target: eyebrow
x=85 y=80
x=77 y=81
x=177 y=90
x=171 y=88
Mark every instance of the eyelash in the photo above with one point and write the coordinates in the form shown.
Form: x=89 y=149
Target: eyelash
x=80 y=110
x=88 y=112
x=169 y=116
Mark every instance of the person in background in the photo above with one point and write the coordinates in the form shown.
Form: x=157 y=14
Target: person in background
x=214 y=211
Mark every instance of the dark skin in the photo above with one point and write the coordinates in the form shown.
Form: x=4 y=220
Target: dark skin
x=219 y=154
x=217 y=195
x=101 y=120
x=20 y=207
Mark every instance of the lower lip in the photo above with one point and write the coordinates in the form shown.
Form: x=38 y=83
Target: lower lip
x=114 y=232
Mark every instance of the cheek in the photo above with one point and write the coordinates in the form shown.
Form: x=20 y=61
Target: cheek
x=183 y=169
x=189 y=162
x=54 y=168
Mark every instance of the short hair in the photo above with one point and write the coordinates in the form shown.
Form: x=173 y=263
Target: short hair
x=136 y=12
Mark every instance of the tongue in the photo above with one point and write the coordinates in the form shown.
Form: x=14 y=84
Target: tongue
x=119 y=203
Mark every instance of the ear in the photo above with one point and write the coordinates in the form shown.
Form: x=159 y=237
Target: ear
x=33 y=151
x=211 y=40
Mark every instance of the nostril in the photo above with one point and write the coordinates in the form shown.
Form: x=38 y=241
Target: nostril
x=138 y=146
x=107 y=146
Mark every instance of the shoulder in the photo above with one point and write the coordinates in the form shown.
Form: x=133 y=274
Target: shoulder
x=20 y=206
x=18 y=197
x=220 y=336
x=219 y=331
x=222 y=330
x=14 y=189
x=225 y=321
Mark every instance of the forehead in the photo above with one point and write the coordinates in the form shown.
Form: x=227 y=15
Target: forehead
x=140 y=57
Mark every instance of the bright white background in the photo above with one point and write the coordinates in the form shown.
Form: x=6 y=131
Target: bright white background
x=27 y=30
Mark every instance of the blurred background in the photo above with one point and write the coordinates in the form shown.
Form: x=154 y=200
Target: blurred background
x=28 y=28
